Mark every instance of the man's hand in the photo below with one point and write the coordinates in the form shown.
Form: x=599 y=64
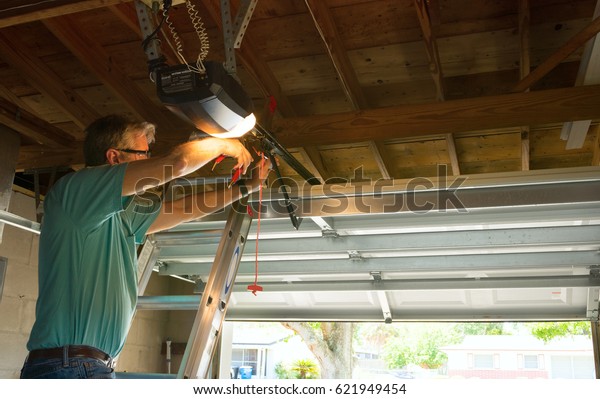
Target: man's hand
x=261 y=171
x=233 y=148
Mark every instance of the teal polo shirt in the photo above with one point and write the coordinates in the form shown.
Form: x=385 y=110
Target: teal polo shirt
x=88 y=262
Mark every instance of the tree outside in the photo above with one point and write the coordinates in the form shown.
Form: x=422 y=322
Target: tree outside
x=409 y=344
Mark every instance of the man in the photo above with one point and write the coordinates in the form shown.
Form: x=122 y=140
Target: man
x=92 y=223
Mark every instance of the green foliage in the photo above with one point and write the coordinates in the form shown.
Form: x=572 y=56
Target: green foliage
x=479 y=329
x=374 y=335
x=300 y=369
x=305 y=369
x=420 y=345
x=282 y=371
x=547 y=331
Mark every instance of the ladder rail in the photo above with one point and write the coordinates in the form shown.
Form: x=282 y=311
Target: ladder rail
x=209 y=318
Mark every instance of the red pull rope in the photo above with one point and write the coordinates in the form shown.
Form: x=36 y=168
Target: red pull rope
x=255 y=287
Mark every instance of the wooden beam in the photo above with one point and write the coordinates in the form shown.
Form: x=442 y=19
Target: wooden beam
x=435 y=65
x=33 y=127
x=567 y=49
x=19 y=56
x=425 y=10
x=525 y=150
x=525 y=68
x=588 y=74
x=314 y=162
x=96 y=59
x=596 y=150
x=337 y=53
x=13 y=98
x=380 y=154
x=255 y=65
x=36 y=157
x=453 y=154
x=127 y=14
x=418 y=120
x=14 y=12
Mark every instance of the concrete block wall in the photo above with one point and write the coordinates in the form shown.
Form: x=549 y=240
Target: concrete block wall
x=149 y=330
x=17 y=305
x=141 y=353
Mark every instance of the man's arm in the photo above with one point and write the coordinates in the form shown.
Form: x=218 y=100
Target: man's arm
x=198 y=205
x=182 y=160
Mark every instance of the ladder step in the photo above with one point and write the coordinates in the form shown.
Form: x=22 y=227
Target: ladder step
x=169 y=302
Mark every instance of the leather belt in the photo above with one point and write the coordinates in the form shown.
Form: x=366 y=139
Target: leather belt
x=71 y=351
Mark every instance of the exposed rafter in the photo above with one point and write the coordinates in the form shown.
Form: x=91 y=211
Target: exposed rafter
x=33 y=127
x=312 y=158
x=491 y=112
x=126 y=13
x=381 y=158
x=15 y=12
x=96 y=59
x=558 y=56
x=435 y=65
x=255 y=66
x=525 y=68
x=325 y=25
x=589 y=74
x=16 y=53
x=337 y=53
x=596 y=150
x=424 y=11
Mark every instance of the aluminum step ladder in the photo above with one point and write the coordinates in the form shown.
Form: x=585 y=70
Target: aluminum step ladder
x=208 y=323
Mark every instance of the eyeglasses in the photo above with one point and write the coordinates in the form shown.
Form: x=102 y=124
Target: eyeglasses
x=147 y=153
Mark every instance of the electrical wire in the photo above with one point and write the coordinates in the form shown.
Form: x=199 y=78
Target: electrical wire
x=153 y=35
x=201 y=32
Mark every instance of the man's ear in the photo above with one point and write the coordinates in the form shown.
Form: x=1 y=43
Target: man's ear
x=112 y=156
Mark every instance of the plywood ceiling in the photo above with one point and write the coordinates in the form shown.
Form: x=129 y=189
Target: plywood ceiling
x=390 y=87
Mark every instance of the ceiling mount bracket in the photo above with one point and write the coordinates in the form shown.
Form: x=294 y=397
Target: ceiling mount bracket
x=234 y=32
x=151 y=44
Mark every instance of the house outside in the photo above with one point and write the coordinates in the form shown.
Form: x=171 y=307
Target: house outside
x=514 y=356
x=262 y=348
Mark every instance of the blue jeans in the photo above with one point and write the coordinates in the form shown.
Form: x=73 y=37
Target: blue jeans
x=74 y=367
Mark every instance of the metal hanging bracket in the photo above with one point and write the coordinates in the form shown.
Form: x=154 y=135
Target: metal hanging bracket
x=233 y=33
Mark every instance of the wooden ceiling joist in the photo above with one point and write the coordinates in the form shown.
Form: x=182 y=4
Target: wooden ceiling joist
x=14 y=12
x=16 y=53
x=379 y=152
x=33 y=127
x=97 y=60
x=490 y=112
x=337 y=53
x=314 y=162
x=126 y=13
x=255 y=66
x=589 y=74
x=558 y=56
x=40 y=157
x=524 y=68
x=425 y=10
x=435 y=65
x=596 y=150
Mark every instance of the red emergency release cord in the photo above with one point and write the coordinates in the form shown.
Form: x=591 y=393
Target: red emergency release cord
x=255 y=287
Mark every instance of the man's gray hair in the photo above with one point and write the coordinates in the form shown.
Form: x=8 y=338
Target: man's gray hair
x=113 y=131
